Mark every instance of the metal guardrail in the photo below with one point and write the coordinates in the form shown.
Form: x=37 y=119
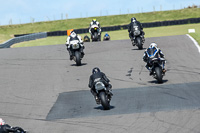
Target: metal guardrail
x=19 y=39
x=120 y=27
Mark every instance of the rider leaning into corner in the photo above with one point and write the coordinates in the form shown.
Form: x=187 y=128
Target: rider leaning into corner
x=71 y=37
x=5 y=128
x=95 y=22
x=158 y=54
x=133 y=23
x=98 y=75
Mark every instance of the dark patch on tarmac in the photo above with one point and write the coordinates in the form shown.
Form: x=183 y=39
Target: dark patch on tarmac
x=80 y=104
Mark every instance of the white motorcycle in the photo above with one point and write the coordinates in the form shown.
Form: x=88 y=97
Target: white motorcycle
x=76 y=53
x=95 y=33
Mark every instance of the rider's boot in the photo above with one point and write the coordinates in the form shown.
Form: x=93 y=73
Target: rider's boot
x=97 y=99
x=70 y=55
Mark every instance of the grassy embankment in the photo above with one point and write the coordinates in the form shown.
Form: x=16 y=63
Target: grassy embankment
x=7 y=32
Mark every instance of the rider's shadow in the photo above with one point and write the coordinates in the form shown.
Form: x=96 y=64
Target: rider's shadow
x=156 y=82
x=82 y=64
x=138 y=49
x=101 y=107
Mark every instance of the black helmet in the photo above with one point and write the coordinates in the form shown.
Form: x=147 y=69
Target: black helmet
x=133 y=19
x=95 y=70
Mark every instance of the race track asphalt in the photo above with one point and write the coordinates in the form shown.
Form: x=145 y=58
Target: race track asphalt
x=44 y=92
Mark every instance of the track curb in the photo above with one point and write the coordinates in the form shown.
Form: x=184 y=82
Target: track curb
x=194 y=41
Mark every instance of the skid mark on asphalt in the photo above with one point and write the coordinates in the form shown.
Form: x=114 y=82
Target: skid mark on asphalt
x=129 y=73
x=80 y=104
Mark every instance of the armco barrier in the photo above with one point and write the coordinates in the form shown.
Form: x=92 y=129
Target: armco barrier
x=120 y=27
x=18 y=39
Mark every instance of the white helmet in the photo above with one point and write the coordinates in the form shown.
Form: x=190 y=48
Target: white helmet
x=153 y=45
x=2 y=122
x=73 y=34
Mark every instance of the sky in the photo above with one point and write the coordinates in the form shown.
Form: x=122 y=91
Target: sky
x=30 y=11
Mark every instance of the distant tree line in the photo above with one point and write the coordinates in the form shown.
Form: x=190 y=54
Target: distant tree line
x=193 y=6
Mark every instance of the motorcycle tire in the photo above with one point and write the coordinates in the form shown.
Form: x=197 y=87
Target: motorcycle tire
x=78 y=58
x=104 y=101
x=139 y=43
x=95 y=36
x=159 y=76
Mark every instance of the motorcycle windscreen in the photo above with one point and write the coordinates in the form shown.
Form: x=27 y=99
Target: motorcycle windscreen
x=151 y=52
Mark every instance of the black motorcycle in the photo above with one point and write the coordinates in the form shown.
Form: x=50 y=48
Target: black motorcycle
x=95 y=33
x=76 y=53
x=19 y=130
x=137 y=37
x=86 y=39
x=103 y=94
x=156 y=69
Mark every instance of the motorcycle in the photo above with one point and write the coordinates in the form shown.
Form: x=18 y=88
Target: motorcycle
x=76 y=53
x=86 y=39
x=156 y=69
x=19 y=130
x=137 y=39
x=95 y=35
x=103 y=94
x=106 y=38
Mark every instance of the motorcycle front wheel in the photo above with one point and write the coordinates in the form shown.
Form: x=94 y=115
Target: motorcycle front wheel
x=139 y=43
x=159 y=76
x=78 y=58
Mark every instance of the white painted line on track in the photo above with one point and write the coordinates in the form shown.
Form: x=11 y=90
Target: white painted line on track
x=195 y=42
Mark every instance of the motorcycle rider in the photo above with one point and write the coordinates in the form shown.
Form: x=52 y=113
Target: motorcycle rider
x=158 y=54
x=86 y=38
x=5 y=128
x=107 y=35
x=71 y=37
x=95 y=22
x=133 y=23
x=97 y=75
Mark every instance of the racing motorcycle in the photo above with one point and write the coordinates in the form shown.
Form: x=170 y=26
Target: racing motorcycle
x=95 y=33
x=104 y=95
x=76 y=53
x=156 y=69
x=86 y=39
x=19 y=130
x=137 y=39
x=106 y=38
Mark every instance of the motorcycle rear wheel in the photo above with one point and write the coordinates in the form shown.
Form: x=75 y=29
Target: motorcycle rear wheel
x=104 y=101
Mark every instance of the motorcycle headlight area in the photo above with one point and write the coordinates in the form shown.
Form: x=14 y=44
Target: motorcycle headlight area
x=137 y=32
x=75 y=46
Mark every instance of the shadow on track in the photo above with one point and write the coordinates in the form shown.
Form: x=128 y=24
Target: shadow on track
x=156 y=82
x=138 y=49
x=82 y=64
x=80 y=104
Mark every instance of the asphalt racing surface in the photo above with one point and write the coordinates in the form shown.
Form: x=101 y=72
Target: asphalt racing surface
x=44 y=92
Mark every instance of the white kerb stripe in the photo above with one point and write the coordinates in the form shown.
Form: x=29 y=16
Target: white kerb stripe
x=195 y=42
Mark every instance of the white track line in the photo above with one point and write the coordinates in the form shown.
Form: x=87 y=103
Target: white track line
x=195 y=42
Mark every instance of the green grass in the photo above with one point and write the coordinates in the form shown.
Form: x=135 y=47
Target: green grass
x=123 y=34
x=7 y=32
